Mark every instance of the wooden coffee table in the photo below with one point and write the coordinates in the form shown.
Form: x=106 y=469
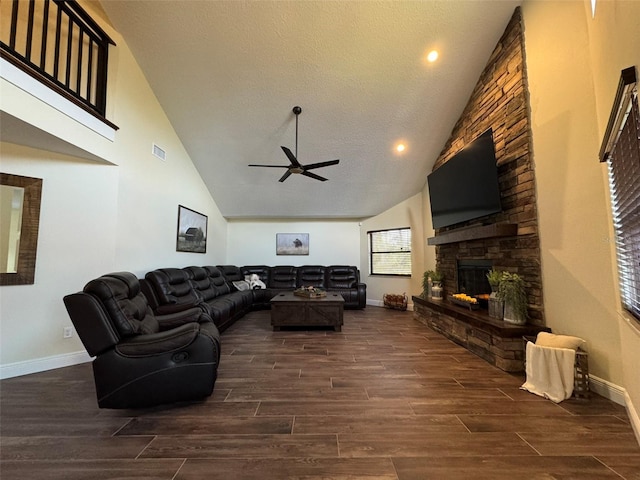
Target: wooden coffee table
x=289 y=310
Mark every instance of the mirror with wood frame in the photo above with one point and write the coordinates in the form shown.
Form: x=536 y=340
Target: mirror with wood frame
x=20 y=218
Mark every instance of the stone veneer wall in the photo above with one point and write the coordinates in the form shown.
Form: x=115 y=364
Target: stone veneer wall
x=500 y=101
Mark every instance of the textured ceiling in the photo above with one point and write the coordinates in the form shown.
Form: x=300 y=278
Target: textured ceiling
x=228 y=74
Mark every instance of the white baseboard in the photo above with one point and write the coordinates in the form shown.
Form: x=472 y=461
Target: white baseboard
x=618 y=395
x=609 y=390
x=634 y=417
x=43 y=364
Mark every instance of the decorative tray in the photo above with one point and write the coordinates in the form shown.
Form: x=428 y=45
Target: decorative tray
x=464 y=303
x=310 y=292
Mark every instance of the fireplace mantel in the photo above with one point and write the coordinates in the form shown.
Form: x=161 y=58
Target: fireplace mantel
x=475 y=233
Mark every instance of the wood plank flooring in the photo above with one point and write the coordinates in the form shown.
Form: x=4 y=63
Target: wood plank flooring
x=385 y=399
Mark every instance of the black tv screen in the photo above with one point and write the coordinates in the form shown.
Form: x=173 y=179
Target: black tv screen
x=466 y=186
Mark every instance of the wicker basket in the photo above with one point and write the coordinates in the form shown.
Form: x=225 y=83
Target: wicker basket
x=397 y=302
x=581 y=371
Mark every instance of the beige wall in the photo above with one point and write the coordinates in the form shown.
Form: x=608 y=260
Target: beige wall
x=611 y=52
x=97 y=217
x=406 y=214
x=574 y=63
x=331 y=242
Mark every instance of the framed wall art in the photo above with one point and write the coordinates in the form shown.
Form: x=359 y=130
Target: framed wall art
x=292 y=244
x=192 y=231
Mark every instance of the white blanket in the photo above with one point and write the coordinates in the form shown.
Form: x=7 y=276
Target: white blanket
x=550 y=372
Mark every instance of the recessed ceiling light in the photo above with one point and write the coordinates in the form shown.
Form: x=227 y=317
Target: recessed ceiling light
x=400 y=147
x=432 y=56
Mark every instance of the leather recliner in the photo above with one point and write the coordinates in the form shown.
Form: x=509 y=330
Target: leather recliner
x=142 y=359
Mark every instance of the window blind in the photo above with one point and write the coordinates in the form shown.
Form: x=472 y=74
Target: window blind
x=390 y=252
x=624 y=180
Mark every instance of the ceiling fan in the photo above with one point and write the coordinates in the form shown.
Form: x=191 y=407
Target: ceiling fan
x=295 y=166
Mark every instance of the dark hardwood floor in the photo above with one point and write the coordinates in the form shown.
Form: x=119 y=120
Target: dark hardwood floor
x=386 y=398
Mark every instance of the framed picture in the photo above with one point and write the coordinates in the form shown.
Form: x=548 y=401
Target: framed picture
x=192 y=231
x=292 y=244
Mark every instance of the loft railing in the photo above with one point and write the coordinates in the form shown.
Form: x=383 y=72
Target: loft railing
x=59 y=44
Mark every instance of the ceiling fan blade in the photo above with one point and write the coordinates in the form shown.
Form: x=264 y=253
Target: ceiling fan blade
x=285 y=176
x=291 y=156
x=313 y=175
x=321 y=164
x=271 y=166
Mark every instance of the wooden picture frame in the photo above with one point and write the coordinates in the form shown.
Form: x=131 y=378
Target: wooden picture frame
x=191 y=233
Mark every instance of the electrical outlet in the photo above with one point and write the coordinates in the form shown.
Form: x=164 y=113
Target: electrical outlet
x=67 y=332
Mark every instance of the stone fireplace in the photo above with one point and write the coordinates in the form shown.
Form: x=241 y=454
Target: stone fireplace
x=507 y=240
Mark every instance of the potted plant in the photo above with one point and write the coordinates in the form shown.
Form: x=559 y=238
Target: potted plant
x=494 y=277
x=496 y=306
x=437 y=277
x=430 y=279
x=436 y=289
x=427 y=282
x=512 y=292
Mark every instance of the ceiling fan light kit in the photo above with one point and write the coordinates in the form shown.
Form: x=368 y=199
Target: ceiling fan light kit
x=295 y=166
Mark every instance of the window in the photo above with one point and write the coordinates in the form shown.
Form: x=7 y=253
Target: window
x=622 y=153
x=390 y=252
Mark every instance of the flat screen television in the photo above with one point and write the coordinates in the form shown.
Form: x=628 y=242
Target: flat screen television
x=466 y=186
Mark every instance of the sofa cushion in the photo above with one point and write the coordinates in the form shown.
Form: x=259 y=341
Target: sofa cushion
x=231 y=273
x=342 y=276
x=126 y=305
x=200 y=283
x=172 y=287
x=217 y=280
x=311 y=276
x=283 y=277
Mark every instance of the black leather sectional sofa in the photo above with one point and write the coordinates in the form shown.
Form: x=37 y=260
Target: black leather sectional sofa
x=156 y=340
x=170 y=290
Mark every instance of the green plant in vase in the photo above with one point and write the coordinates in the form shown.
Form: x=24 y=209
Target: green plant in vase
x=496 y=306
x=494 y=277
x=436 y=276
x=427 y=282
x=512 y=292
x=430 y=278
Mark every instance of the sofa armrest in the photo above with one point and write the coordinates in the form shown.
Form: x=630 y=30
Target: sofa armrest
x=173 y=308
x=181 y=316
x=362 y=294
x=159 y=343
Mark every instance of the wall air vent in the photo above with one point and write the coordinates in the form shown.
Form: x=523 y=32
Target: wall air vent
x=158 y=152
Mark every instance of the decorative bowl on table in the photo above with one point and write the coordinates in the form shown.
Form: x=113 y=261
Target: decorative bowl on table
x=310 y=292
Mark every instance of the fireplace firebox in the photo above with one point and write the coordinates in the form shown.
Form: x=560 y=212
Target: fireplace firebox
x=472 y=276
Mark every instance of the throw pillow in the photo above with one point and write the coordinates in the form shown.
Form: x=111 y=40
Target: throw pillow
x=255 y=283
x=545 y=339
x=242 y=285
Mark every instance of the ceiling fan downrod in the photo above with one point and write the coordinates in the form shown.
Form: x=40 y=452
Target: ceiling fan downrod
x=297 y=111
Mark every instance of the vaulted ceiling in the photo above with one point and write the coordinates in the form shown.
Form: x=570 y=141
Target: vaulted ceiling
x=228 y=74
